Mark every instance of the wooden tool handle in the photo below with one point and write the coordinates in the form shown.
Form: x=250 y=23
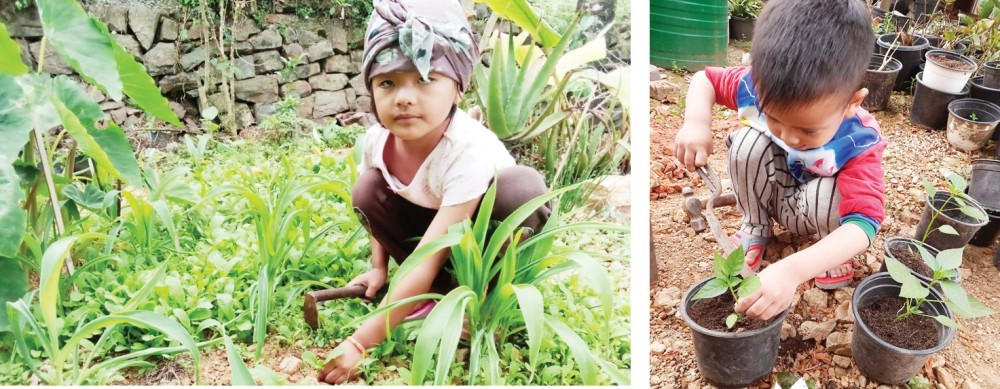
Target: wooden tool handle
x=337 y=293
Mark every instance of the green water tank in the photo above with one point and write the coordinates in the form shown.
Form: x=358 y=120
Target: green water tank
x=689 y=34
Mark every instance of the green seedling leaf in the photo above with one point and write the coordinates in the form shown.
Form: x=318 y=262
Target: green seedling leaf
x=947 y=229
x=91 y=197
x=946 y=321
x=719 y=265
x=10 y=55
x=973 y=212
x=712 y=288
x=928 y=258
x=734 y=262
x=240 y=374
x=911 y=286
x=957 y=183
x=748 y=286
x=956 y=295
x=918 y=382
x=929 y=189
x=731 y=320
x=949 y=259
x=13 y=219
x=976 y=308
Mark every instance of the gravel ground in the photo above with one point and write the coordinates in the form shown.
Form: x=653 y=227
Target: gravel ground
x=816 y=335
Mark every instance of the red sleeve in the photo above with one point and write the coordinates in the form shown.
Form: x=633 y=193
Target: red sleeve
x=862 y=186
x=726 y=82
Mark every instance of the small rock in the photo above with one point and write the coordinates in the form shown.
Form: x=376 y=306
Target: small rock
x=320 y=51
x=268 y=39
x=815 y=298
x=144 y=21
x=340 y=64
x=290 y=365
x=329 y=82
x=917 y=194
x=668 y=297
x=843 y=294
x=945 y=378
x=654 y=73
x=843 y=362
x=839 y=343
x=660 y=90
x=655 y=380
x=784 y=238
x=970 y=384
x=689 y=232
x=936 y=361
x=816 y=331
x=658 y=348
x=244 y=29
x=681 y=217
x=169 y=29
x=787 y=330
x=844 y=313
x=787 y=251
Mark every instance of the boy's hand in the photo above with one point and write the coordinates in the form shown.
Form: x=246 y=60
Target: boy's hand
x=693 y=145
x=342 y=368
x=777 y=287
x=374 y=279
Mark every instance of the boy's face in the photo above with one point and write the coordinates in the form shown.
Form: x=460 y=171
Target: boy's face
x=812 y=124
x=410 y=107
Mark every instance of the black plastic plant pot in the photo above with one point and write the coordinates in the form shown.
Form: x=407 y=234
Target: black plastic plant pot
x=908 y=56
x=990 y=232
x=876 y=358
x=935 y=44
x=982 y=92
x=922 y=10
x=965 y=225
x=879 y=79
x=996 y=259
x=984 y=185
x=930 y=106
x=971 y=123
x=741 y=28
x=733 y=359
x=991 y=74
x=910 y=244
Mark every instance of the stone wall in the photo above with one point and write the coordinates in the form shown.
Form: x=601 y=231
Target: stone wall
x=327 y=80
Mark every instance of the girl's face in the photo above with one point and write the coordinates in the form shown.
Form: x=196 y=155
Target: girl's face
x=410 y=107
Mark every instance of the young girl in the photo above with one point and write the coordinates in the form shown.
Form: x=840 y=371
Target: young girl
x=427 y=164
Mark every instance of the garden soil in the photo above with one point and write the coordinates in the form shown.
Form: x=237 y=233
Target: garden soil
x=816 y=334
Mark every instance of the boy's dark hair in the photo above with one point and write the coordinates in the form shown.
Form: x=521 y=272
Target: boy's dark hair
x=804 y=50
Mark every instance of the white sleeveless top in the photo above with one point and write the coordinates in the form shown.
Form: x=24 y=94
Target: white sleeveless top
x=458 y=170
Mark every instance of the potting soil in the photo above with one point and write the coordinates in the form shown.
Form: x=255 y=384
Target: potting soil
x=912 y=260
x=711 y=313
x=912 y=333
x=952 y=63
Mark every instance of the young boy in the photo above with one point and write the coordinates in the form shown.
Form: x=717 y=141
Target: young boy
x=427 y=164
x=808 y=156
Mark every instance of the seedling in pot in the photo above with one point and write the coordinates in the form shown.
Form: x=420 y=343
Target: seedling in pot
x=956 y=195
x=973 y=117
x=727 y=278
x=915 y=293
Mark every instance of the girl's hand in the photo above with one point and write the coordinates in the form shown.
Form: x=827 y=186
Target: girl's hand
x=341 y=369
x=777 y=288
x=374 y=279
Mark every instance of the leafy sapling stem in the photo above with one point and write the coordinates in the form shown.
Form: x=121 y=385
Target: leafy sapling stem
x=915 y=293
x=956 y=195
x=727 y=278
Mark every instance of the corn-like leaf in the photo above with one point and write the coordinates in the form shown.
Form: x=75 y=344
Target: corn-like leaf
x=240 y=375
x=74 y=34
x=443 y=323
x=617 y=376
x=533 y=311
x=597 y=278
x=52 y=263
x=167 y=219
x=140 y=319
x=506 y=228
x=519 y=12
x=578 y=348
x=10 y=55
x=420 y=255
x=20 y=316
x=262 y=310
x=485 y=213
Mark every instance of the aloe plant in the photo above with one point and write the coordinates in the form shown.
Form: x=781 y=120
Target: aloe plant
x=513 y=305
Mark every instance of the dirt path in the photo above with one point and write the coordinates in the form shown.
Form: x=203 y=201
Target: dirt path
x=970 y=361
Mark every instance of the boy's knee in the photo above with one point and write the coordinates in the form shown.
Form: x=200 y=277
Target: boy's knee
x=747 y=145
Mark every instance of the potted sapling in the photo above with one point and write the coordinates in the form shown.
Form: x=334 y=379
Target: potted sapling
x=901 y=321
x=950 y=217
x=948 y=71
x=971 y=123
x=731 y=349
x=880 y=76
x=742 y=16
x=906 y=49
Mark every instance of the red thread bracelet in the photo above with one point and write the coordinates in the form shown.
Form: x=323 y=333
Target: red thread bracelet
x=357 y=345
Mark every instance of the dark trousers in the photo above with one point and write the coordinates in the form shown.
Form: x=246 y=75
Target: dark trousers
x=398 y=224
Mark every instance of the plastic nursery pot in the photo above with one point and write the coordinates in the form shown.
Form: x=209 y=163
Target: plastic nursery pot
x=991 y=74
x=930 y=107
x=936 y=44
x=984 y=185
x=948 y=72
x=897 y=242
x=982 y=92
x=996 y=259
x=908 y=56
x=876 y=358
x=971 y=123
x=965 y=225
x=733 y=359
x=741 y=28
x=990 y=232
x=879 y=79
x=922 y=10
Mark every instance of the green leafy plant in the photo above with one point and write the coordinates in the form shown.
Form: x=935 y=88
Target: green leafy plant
x=957 y=199
x=336 y=136
x=915 y=293
x=64 y=354
x=512 y=308
x=728 y=279
x=746 y=9
x=286 y=120
x=974 y=117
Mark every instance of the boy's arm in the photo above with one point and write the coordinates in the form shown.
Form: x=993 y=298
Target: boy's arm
x=693 y=143
x=418 y=281
x=780 y=279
